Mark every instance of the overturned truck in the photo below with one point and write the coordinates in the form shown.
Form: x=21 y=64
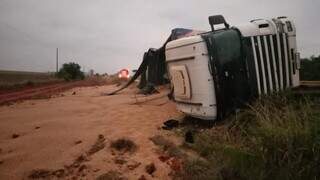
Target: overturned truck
x=213 y=73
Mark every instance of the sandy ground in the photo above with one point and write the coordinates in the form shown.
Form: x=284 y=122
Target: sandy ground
x=49 y=129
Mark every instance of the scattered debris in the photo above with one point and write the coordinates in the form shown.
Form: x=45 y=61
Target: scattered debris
x=78 y=142
x=59 y=173
x=172 y=155
x=175 y=164
x=189 y=137
x=142 y=177
x=124 y=145
x=164 y=158
x=76 y=167
x=98 y=145
x=96 y=170
x=133 y=165
x=79 y=160
x=111 y=175
x=100 y=136
x=39 y=173
x=82 y=167
x=170 y=124
x=148 y=89
x=119 y=160
x=15 y=136
x=150 y=168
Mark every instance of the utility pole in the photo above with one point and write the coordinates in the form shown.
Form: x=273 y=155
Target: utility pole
x=57 y=60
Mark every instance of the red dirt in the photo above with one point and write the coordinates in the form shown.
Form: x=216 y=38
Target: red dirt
x=50 y=151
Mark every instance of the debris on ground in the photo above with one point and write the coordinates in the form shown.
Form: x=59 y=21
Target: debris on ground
x=59 y=173
x=142 y=177
x=134 y=165
x=96 y=170
x=189 y=137
x=79 y=160
x=37 y=127
x=39 y=173
x=78 y=142
x=171 y=154
x=111 y=175
x=123 y=145
x=74 y=93
x=148 y=89
x=46 y=174
x=175 y=164
x=120 y=160
x=82 y=167
x=150 y=168
x=98 y=145
x=164 y=158
x=15 y=136
x=170 y=124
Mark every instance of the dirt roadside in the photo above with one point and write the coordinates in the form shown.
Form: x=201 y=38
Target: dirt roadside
x=69 y=135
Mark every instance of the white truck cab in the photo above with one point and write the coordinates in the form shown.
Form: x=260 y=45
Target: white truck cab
x=187 y=61
x=216 y=72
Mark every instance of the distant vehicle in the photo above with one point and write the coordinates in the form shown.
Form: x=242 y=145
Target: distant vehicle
x=214 y=73
x=124 y=74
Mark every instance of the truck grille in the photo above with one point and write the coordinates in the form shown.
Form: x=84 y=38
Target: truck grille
x=272 y=62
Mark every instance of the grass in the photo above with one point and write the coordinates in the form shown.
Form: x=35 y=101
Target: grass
x=17 y=79
x=276 y=137
x=123 y=145
x=167 y=146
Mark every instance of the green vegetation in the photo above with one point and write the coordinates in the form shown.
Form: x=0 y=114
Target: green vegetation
x=70 y=71
x=276 y=137
x=310 y=68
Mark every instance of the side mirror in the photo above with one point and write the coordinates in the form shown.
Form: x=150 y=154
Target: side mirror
x=217 y=19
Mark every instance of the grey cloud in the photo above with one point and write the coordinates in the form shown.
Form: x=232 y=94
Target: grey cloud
x=108 y=35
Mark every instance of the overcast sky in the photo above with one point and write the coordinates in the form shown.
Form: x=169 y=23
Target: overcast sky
x=107 y=35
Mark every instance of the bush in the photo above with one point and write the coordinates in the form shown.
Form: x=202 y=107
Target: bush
x=277 y=137
x=70 y=71
x=310 y=68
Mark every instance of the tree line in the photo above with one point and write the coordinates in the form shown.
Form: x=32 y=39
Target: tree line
x=310 y=68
